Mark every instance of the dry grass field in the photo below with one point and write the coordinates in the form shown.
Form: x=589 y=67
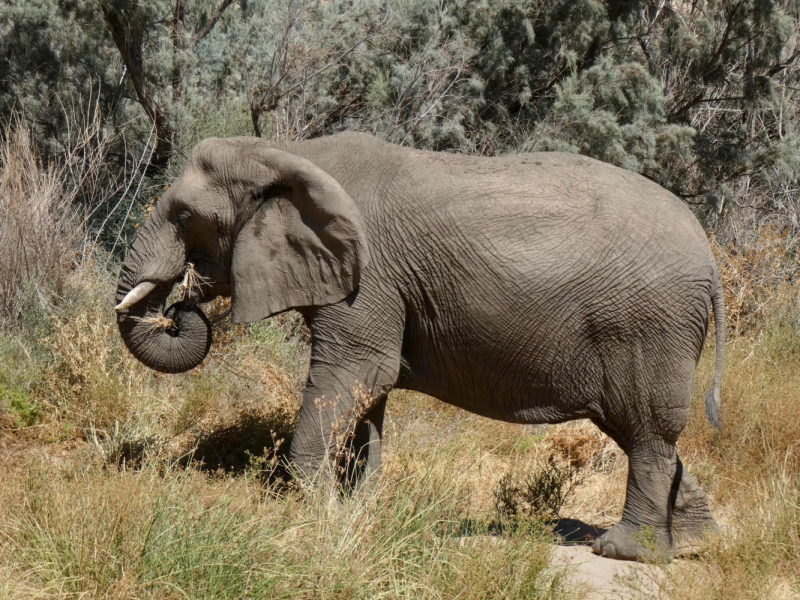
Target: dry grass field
x=122 y=483
x=118 y=482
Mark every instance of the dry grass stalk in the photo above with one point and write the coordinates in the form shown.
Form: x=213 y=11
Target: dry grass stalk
x=192 y=282
x=38 y=232
x=156 y=323
x=756 y=276
x=45 y=210
x=80 y=532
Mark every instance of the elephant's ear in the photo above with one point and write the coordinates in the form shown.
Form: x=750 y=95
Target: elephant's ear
x=305 y=243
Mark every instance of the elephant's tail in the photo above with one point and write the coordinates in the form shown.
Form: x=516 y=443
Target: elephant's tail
x=713 y=402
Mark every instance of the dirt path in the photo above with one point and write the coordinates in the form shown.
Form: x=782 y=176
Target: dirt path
x=605 y=578
x=602 y=578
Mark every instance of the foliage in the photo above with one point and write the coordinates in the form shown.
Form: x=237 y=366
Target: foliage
x=541 y=494
x=18 y=408
x=94 y=379
x=701 y=97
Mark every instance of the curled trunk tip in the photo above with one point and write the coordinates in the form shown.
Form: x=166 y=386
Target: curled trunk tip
x=175 y=340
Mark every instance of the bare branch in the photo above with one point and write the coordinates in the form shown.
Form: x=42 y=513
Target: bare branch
x=210 y=25
x=129 y=40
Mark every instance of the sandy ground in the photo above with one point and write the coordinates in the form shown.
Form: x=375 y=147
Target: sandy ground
x=595 y=577
x=602 y=578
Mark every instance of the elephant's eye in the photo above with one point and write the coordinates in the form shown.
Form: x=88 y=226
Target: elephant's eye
x=183 y=218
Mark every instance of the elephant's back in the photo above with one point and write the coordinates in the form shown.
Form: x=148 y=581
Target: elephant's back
x=549 y=214
x=512 y=196
x=555 y=187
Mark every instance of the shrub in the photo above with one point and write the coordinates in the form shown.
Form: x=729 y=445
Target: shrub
x=17 y=407
x=541 y=494
x=46 y=206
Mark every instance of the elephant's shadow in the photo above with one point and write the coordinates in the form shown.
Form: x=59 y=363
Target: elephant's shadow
x=567 y=532
x=253 y=441
x=574 y=532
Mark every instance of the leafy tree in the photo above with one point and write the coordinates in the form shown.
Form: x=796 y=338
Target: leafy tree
x=700 y=97
x=156 y=41
x=50 y=62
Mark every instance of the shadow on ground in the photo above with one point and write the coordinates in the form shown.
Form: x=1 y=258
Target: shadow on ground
x=255 y=441
x=574 y=532
x=250 y=442
x=568 y=532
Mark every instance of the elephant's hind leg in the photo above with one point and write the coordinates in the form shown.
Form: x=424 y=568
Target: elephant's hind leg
x=646 y=410
x=645 y=530
x=658 y=525
x=691 y=517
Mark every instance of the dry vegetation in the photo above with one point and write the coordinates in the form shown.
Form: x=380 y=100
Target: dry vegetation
x=39 y=234
x=122 y=483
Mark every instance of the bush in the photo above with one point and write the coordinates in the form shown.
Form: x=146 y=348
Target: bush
x=17 y=407
x=93 y=380
x=542 y=494
x=46 y=206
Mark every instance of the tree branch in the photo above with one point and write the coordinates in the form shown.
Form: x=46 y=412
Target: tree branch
x=129 y=42
x=178 y=47
x=210 y=25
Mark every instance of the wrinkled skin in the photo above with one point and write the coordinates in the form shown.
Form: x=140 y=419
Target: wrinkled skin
x=535 y=288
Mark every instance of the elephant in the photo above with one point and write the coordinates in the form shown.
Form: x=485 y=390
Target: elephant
x=531 y=288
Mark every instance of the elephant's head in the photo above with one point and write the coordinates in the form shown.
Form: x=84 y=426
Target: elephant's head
x=266 y=227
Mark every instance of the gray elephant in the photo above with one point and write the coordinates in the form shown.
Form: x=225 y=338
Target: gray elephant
x=534 y=288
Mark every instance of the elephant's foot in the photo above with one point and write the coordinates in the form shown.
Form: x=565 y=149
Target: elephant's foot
x=691 y=518
x=629 y=542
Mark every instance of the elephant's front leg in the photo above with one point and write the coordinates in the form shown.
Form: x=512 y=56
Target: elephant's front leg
x=355 y=362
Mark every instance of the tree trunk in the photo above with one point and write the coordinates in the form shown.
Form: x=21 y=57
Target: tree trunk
x=128 y=37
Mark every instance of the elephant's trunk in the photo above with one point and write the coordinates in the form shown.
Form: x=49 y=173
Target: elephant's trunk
x=174 y=340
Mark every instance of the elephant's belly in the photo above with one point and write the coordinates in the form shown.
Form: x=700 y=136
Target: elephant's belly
x=507 y=388
x=526 y=350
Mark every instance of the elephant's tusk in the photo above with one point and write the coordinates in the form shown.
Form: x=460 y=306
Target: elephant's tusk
x=136 y=294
